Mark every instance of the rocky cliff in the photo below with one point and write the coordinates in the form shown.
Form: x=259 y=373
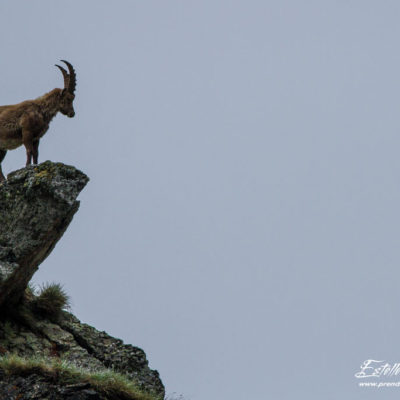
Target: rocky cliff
x=52 y=355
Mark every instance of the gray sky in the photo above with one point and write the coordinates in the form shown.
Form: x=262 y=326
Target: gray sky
x=241 y=224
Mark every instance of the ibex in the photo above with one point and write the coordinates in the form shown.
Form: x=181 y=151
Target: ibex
x=25 y=123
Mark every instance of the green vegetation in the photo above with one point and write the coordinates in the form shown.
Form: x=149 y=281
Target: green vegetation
x=51 y=300
x=107 y=382
x=29 y=293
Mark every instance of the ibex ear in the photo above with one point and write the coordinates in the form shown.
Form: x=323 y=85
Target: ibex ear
x=63 y=92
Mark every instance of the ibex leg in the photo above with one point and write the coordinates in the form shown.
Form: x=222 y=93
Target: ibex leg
x=27 y=140
x=2 y=155
x=35 y=152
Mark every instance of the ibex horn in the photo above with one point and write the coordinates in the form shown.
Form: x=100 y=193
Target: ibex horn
x=72 y=77
x=65 y=75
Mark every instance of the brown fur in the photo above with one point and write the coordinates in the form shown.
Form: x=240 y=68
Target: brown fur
x=25 y=123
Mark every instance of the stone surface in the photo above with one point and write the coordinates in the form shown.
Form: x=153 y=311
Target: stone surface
x=113 y=353
x=79 y=344
x=36 y=206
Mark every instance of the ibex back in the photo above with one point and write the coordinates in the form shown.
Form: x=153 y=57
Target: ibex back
x=25 y=123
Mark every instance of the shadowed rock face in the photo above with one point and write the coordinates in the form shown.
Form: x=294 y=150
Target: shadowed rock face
x=36 y=206
x=38 y=387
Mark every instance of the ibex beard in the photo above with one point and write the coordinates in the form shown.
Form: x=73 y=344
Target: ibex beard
x=25 y=123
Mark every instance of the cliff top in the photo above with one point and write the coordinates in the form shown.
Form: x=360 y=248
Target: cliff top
x=37 y=204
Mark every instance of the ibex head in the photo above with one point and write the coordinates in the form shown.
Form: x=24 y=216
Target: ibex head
x=67 y=94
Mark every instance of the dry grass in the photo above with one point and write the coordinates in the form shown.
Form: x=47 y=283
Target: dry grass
x=109 y=383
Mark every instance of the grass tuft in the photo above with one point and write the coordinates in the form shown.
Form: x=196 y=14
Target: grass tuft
x=108 y=383
x=51 y=300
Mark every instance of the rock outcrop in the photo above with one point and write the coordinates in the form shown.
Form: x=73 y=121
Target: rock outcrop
x=36 y=206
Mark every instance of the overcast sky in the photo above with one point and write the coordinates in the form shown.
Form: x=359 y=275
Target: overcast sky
x=242 y=220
